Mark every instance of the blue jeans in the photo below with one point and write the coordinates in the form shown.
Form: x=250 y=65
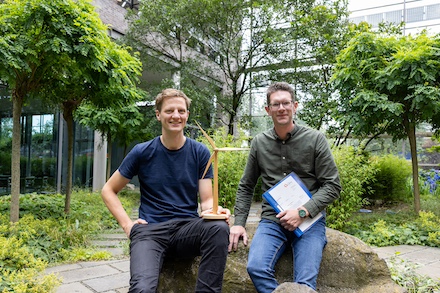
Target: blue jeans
x=151 y=243
x=268 y=244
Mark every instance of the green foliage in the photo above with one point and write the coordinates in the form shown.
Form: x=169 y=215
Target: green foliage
x=230 y=167
x=45 y=235
x=356 y=174
x=50 y=234
x=20 y=270
x=404 y=273
x=396 y=228
x=391 y=176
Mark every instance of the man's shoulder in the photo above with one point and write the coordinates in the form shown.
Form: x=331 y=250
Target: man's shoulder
x=194 y=142
x=303 y=129
x=142 y=146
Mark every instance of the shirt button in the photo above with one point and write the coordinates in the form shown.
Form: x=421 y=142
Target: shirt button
x=284 y=158
x=284 y=142
x=284 y=173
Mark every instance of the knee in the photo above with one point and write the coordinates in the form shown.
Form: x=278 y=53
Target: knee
x=254 y=269
x=217 y=234
x=218 y=228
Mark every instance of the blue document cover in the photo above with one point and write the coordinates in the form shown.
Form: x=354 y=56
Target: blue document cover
x=289 y=194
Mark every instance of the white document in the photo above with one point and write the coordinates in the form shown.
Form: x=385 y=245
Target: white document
x=289 y=194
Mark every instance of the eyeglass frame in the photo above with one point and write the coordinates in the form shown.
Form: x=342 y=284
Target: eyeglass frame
x=286 y=105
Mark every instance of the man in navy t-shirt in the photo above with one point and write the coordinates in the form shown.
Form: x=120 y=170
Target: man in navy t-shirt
x=170 y=169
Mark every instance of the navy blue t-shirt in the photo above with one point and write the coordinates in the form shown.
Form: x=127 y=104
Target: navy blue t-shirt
x=168 y=178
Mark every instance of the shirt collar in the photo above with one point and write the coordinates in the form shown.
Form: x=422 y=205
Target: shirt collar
x=289 y=135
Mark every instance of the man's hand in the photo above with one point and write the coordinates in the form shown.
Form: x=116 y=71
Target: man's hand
x=127 y=228
x=237 y=233
x=220 y=211
x=290 y=219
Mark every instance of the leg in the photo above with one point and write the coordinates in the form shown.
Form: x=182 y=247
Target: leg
x=307 y=252
x=268 y=244
x=210 y=239
x=147 y=248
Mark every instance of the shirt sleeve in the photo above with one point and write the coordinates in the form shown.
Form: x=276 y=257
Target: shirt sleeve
x=327 y=176
x=130 y=165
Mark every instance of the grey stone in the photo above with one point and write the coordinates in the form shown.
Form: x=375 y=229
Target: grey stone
x=289 y=287
x=348 y=266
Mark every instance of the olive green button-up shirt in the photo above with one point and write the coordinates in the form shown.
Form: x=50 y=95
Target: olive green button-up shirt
x=305 y=152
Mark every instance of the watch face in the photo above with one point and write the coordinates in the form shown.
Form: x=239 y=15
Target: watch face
x=302 y=213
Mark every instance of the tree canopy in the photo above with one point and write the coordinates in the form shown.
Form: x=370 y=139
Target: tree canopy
x=61 y=49
x=390 y=84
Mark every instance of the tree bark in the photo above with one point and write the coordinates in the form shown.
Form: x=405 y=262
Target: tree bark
x=415 y=166
x=109 y=155
x=68 y=116
x=17 y=104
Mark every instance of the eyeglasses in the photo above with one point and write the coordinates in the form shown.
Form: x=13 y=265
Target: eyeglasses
x=286 y=105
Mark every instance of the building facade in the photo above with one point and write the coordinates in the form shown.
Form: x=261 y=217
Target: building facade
x=417 y=15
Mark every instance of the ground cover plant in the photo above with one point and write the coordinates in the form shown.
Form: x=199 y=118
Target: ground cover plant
x=45 y=236
x=395 y=223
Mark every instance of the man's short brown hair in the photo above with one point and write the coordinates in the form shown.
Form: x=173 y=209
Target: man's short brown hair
x=279 y=86
x=170 y=93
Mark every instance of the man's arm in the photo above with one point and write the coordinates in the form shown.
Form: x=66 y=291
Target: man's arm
x=109 y=194
x=206 y=199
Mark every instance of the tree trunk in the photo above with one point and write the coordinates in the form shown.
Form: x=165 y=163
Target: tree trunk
x=109 y=155
x=415 y=166
x=17 y=104
x=68 y=116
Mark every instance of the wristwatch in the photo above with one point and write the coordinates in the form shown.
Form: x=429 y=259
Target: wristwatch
x=302 y=213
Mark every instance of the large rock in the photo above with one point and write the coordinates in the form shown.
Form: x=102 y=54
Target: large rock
x=348 y=266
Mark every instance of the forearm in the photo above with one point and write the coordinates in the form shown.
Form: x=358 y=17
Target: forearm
x=115 y=207
x=207 y=204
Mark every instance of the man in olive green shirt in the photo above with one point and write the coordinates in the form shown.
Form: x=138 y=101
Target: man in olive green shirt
x=274 y=154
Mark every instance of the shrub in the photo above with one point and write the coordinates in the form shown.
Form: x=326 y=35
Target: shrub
x=391 y=177
x=356 y=174
x=44 y=234
x=53 y=236
x=393 y=230
x=21 y=270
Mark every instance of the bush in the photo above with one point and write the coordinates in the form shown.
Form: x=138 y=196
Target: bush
x=356 y=174
x=45 y=235
x=398 y=229
x=391 y=178
x=21 y=270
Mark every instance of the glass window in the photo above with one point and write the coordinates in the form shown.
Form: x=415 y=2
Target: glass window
x=433 y=11
x=394 y=16
x=415 y=14
x=375 y=19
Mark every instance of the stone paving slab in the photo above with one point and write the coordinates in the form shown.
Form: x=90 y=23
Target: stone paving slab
x=106 y=243
x=111 y=282
x=426 y=259
x=74 y=288
x=87 y=273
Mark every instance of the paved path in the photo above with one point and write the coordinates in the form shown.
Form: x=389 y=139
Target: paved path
x=113 y=276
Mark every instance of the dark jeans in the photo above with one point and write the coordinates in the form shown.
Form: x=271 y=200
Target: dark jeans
x=183 y=238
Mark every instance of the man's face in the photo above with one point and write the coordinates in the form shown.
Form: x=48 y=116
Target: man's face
x=173 y=115
x=281 y=108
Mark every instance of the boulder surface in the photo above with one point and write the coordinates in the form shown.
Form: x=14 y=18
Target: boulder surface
x=348 y=266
